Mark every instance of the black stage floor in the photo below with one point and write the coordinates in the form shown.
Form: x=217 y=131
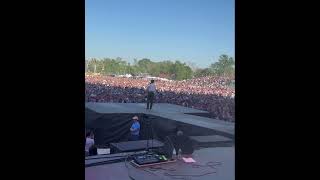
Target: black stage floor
x=166 y=111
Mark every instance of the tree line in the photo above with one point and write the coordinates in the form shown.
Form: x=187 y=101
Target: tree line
x=166 y=69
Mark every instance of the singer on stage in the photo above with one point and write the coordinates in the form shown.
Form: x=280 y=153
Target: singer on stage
x=151 y=90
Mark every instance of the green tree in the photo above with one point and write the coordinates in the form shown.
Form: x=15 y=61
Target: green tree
x=167 y=69
x=144 y=65
x=224 y=67
x=181 y=71
x=203 y=72
x=92 y=65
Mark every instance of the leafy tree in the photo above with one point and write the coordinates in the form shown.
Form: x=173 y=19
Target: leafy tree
x=167 y=69
x=224 y=67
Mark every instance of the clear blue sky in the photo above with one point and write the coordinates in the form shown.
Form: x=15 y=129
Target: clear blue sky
x=195 y=31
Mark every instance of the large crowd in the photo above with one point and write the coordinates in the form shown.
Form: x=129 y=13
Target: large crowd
x=211 y=94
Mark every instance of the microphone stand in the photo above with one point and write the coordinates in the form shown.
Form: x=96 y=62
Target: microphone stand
x=145 y=119
x=149 y=123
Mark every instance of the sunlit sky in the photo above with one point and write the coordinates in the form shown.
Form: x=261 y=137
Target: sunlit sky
x=197 y=31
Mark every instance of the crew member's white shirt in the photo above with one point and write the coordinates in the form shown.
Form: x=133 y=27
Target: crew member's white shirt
x=89 y=143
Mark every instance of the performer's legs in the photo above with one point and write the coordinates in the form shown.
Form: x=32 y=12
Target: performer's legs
x=151 y=99
x=148 y=100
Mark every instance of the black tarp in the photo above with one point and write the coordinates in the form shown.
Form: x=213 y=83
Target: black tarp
x=109 y=128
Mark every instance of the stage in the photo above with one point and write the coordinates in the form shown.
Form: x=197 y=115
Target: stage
x=166 y=111
x=223 y=171
x=111 y=123
x=139 y=108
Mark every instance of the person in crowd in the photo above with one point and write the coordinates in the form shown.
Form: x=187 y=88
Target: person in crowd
x=151 y=90
x=135 y=129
